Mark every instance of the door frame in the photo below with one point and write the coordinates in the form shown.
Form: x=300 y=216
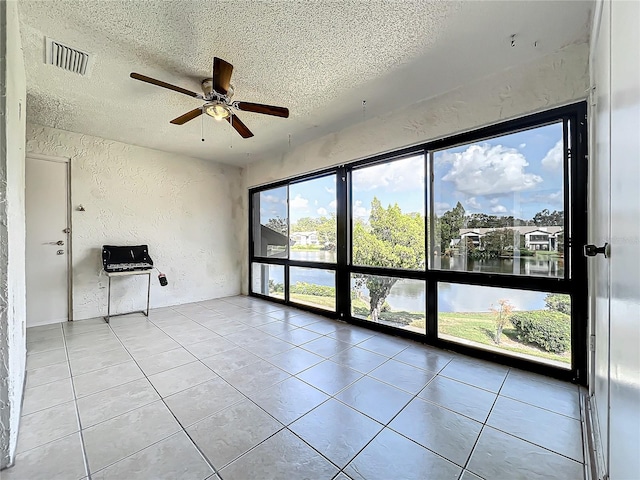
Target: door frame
x=67 y=161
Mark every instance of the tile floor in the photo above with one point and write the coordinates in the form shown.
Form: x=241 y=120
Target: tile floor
x=239 y=389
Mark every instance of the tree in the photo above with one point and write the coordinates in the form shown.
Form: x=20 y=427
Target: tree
x=545 y=218
x=502 y=313
x=324 y=226
x=496 y=241
x=450 y=224
x=392 y=239
x=278 y=224
x=558 y=302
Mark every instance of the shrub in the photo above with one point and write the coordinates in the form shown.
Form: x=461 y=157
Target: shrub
x=558 y=302
x=275 y=287
x=304 y=288
x=549 y=329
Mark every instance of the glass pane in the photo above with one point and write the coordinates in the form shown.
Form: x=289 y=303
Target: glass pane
x=391 y=301
x=531 y=325
x=270 y=223
x=499 y=205
x=312 y=211
x=388 y=214
x=312 y=286
x=267 y=279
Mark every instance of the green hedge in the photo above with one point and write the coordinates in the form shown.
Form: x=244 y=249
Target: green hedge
x=305 y=288
x=549 y=329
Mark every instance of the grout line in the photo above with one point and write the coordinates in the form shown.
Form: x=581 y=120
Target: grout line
x=85 y=458
x=248 y=309
x=484 y=424
x=182 y=428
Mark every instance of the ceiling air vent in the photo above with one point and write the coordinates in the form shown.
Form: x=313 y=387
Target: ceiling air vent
x=67 y=58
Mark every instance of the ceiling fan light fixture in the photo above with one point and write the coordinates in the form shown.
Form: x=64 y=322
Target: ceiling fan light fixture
x=217 y=110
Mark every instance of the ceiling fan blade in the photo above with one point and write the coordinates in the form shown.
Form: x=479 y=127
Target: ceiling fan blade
x=221 y=75
x=182 y=119
x=265 y=109
x=160 y=83
x=240 y=127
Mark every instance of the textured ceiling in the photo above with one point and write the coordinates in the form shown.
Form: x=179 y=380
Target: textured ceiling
x=319 y=59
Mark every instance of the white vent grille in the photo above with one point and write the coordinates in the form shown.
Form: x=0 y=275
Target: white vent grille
x=67 y=58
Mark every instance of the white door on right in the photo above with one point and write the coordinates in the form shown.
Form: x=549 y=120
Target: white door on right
x=47 y=245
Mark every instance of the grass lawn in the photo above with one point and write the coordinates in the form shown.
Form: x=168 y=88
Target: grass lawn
x=546 y=253
x=328 y=303
x=478 y=327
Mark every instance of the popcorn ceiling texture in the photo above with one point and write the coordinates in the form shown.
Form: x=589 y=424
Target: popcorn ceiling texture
x=319 y=59
x=187 y=210
x=554 y=80
x=12 y=230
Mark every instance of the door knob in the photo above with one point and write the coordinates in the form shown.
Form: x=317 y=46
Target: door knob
x=60 y=252
x=60 y=242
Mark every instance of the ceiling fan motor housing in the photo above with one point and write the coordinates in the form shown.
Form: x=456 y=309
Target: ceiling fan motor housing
x=207 y=86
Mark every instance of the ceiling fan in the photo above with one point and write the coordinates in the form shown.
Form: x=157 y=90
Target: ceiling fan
x=217 y=94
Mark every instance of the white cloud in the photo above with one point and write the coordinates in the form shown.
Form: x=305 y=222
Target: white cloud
x=556 y=197
x=473 y=203
x=315 y=202
x=399 y=175
x=359 y=211
x=494 y=201
x=330 y=190
x=522 y=145
x=322 y=211
x=499 y=209
x=333 y=204
x=299 y=202
x=442 y=207
x=554 y=158
x=272 y=199
x=489 y=170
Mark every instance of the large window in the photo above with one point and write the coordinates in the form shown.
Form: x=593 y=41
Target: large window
x=313 y=287
x=271 y=223
x=523 y=323
x=388 y=214
x=312 y=209
x=468 y=242
x=392 y=301
x=499 y=204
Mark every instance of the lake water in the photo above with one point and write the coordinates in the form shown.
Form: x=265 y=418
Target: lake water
x=410 y=295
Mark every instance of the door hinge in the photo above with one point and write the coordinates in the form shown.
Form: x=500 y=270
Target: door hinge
x=592 y=97
x=592 y=343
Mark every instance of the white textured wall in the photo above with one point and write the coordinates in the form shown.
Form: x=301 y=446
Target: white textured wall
x=187 y=210
x=12 y=230
x=550 y=81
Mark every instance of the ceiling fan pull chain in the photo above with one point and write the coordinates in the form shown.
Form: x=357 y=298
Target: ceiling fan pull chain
x=364 y=110
x=202 y=128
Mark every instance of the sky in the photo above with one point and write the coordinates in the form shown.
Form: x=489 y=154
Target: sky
x=518 y=174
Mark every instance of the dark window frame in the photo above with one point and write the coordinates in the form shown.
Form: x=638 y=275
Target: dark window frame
x=574 y=282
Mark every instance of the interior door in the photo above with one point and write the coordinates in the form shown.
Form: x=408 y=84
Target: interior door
x=47 y=246
x=624 y=355
x=600 y=228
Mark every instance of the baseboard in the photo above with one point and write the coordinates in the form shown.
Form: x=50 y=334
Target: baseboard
x=595 y=467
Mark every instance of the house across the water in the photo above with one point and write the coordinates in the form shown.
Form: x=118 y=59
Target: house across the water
x=535 y=238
